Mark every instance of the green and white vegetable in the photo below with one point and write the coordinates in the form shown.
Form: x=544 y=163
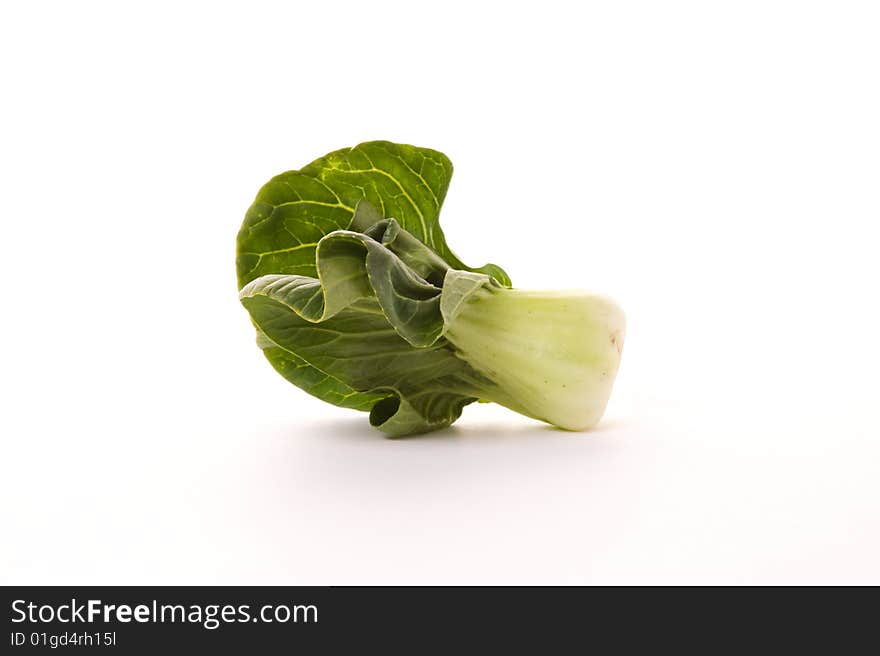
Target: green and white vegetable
x=358 y=300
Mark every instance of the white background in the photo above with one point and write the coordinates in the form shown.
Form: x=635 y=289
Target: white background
x=713 y=166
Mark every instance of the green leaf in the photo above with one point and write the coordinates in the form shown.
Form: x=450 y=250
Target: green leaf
x=294 y=210
x=366 y=331
x=354 y=266
x=357 y=349
x=346 y=301
x=317 y=383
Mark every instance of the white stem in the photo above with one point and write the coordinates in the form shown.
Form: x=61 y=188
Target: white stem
x=553 y=355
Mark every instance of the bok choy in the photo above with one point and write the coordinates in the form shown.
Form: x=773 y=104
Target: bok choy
x=358 y=300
